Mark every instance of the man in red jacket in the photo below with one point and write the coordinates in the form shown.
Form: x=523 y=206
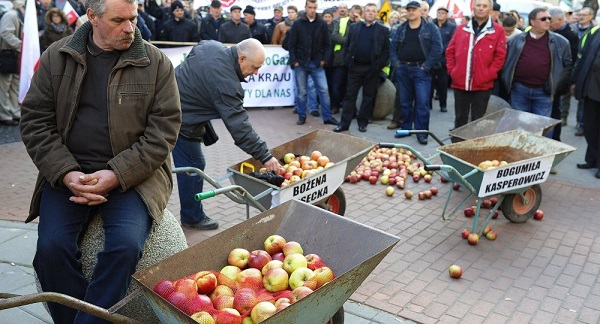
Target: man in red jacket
x=474 y=59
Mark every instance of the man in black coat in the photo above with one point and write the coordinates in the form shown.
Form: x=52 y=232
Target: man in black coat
x=179 y=28
x=212 y=22
x=233 y=31
x=366 y=53
x=258 y=30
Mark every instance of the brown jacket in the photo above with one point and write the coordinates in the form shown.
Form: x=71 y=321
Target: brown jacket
x=279 y=32
x=144 y=117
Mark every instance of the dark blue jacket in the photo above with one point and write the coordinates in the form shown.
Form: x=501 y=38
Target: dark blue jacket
x=208 y=30
x=446 y=31
x=431 y=44
x=584 y=76
x=302 y=44
x=380 y=45
x=184 y=30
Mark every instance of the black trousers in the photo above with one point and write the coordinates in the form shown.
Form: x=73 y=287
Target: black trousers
x=337 y=77
x=360 y=76
x=591 y=131
x=556 y=114
x=474 y=102
x=439 y=83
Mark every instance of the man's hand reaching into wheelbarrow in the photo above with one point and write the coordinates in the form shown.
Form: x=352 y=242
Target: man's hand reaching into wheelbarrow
x=90 y=189
x=272 y=165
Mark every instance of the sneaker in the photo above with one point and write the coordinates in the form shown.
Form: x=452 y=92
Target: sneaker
x=205 y=224
x=315 y=113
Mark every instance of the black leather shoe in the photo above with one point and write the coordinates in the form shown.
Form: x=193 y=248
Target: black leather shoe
x=422 y=140
x=205 y=224
x=598 y=174
x=315 y=113
x=362 y=129
x=335 y=110
x=301 y=121
x=585 y=166
x=443 y=109
x=331 y=121
x=340 y=129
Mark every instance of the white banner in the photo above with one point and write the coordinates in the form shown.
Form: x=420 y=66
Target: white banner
x=515 y=175
x=273 y=86
x=264 y=8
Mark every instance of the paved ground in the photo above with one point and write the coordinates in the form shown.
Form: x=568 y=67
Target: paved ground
x=538 y=271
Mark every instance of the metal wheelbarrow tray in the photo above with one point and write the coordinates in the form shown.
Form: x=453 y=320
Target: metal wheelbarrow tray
x=502 y=121
x=344 y=150
x=351 y=249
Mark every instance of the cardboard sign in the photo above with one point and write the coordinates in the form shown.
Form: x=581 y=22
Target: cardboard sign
x=515 y=176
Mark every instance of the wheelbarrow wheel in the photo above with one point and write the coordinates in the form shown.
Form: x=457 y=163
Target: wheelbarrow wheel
x=516 y=211
x=336 y=203
x=338 y=317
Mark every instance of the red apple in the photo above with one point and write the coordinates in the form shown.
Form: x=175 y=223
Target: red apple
x=244 y=300
x=315 y=155
x=494 y=201
x=538 y=215
x=206 y=282
x=274 y=244
x=223 y=302
x=164 y=288
x=486 y=203
x=262 y=311
x=455 y=271
x=258 y=259
x=249 y=278
x=408 y=194
x=428 y=194
x=400 y=184
x=434 y=191
x=422 y=195
x=292 y=247
x=373 y=180
x=465 y=233
x=278 y=256
x=487 y=229
x=491 y=235
x=300 y=293
x=495 y=215
x=443 y=180
x=221 y=290
x=314 y=261
x=469 y=212
x=473 y=239
x=455 y=186
x=186 y=286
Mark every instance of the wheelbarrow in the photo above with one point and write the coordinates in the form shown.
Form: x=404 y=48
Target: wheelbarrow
x=530 y=158
x=321 y=189
x=351 y=249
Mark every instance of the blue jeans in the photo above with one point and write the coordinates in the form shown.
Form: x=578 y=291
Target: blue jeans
x=317 y=73
x=311 y=93
x=188 y=153
x=60 y=230
x=415 y=87
x=531 y=100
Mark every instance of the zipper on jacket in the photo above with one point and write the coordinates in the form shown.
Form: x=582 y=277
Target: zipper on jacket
x=135 y=93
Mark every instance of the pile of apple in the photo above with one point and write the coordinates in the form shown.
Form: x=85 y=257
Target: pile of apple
x=487 y=164
x=296 y=168
x=485 y=203
x=252 y=287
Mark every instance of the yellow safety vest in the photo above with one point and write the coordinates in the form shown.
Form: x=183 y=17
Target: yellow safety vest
x=343 y=25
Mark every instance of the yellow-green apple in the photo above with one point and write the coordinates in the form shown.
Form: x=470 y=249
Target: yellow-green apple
x=187 y=286
x=262 y=311
x=307 y=173
x=203 y=317
x=274 y=244
x=295 y=178
x=258 y=259
x=300 y=293
x=289 y=157
x=227 y=276
x=303 y=277
x=278 y=256
x=314 y=261
x=250 y=277
x=231 y=311
x=238 y=257
x=487 y=229
x=294 y=261
x=491 y=235
x=273 y=264
x=455 y=271
x=315 y=155
x=221 y=290
x=292 y=247
x=276 y=280
x=389 y=191
x=295 y=164
x=244 y=300
x=324 y=275
x=223 y=302
x=164 y=288
x=206 y=282
x=247 y=320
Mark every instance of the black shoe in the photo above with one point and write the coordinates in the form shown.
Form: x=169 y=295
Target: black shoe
x=362 y=129
x=598 y=174
x=436 y=97
x=270 y=108
x=301 y=121
x=331 y=121
x=205 y=224
x=585 y=166
x=443 y=109
x=340 y=129
x=335 y=110
x=579 y=132
x=315 y=113
x=422 y=140
x=9 y=122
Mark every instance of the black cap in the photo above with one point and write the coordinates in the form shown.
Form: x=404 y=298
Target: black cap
x=442 y=8
x=250 y=10
x=496 y=6
x=215 y=4
x=235 y=7
x=414 y=5
x=176 y=5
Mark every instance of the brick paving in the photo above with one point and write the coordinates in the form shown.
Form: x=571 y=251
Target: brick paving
x=538 y=271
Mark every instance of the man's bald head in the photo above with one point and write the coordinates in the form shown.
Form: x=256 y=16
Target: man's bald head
x=251 y=56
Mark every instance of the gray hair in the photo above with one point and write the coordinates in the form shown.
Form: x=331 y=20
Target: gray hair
x=250 y=47
x=99 y=6
x=556 y=12
x=18 y=3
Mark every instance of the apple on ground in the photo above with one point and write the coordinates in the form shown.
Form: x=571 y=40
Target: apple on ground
x=324 y=275
x=538 y=215
x=428 y=194
x=262 y=311
x=455 y=271
x=408 y=194
x=300 y=293
x=443 y=180
x=276 y=280
x=274 y=244
x=400 y=184
x=389 y=191
x=258 y=259
x=465 y=233
x=487 y=229
x=434 y=191
x=373 y=180
x=456 y=186
x=427 y=178
x=303 y=277
x=496 y=213
x=473 y=239
x=293 y=262
x=292 y=247
x=491 y=235
x=486 y=203
x=494 y=200
x=422 y=195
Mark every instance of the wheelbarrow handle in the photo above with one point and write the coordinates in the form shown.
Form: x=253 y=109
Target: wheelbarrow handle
x=403 y=133
x=232 y=188
x=432 y=167
x=204 y=195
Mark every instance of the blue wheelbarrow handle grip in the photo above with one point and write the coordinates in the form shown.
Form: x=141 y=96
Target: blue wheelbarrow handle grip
x=203 y=195
x=402 y=132
x=432 y=167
